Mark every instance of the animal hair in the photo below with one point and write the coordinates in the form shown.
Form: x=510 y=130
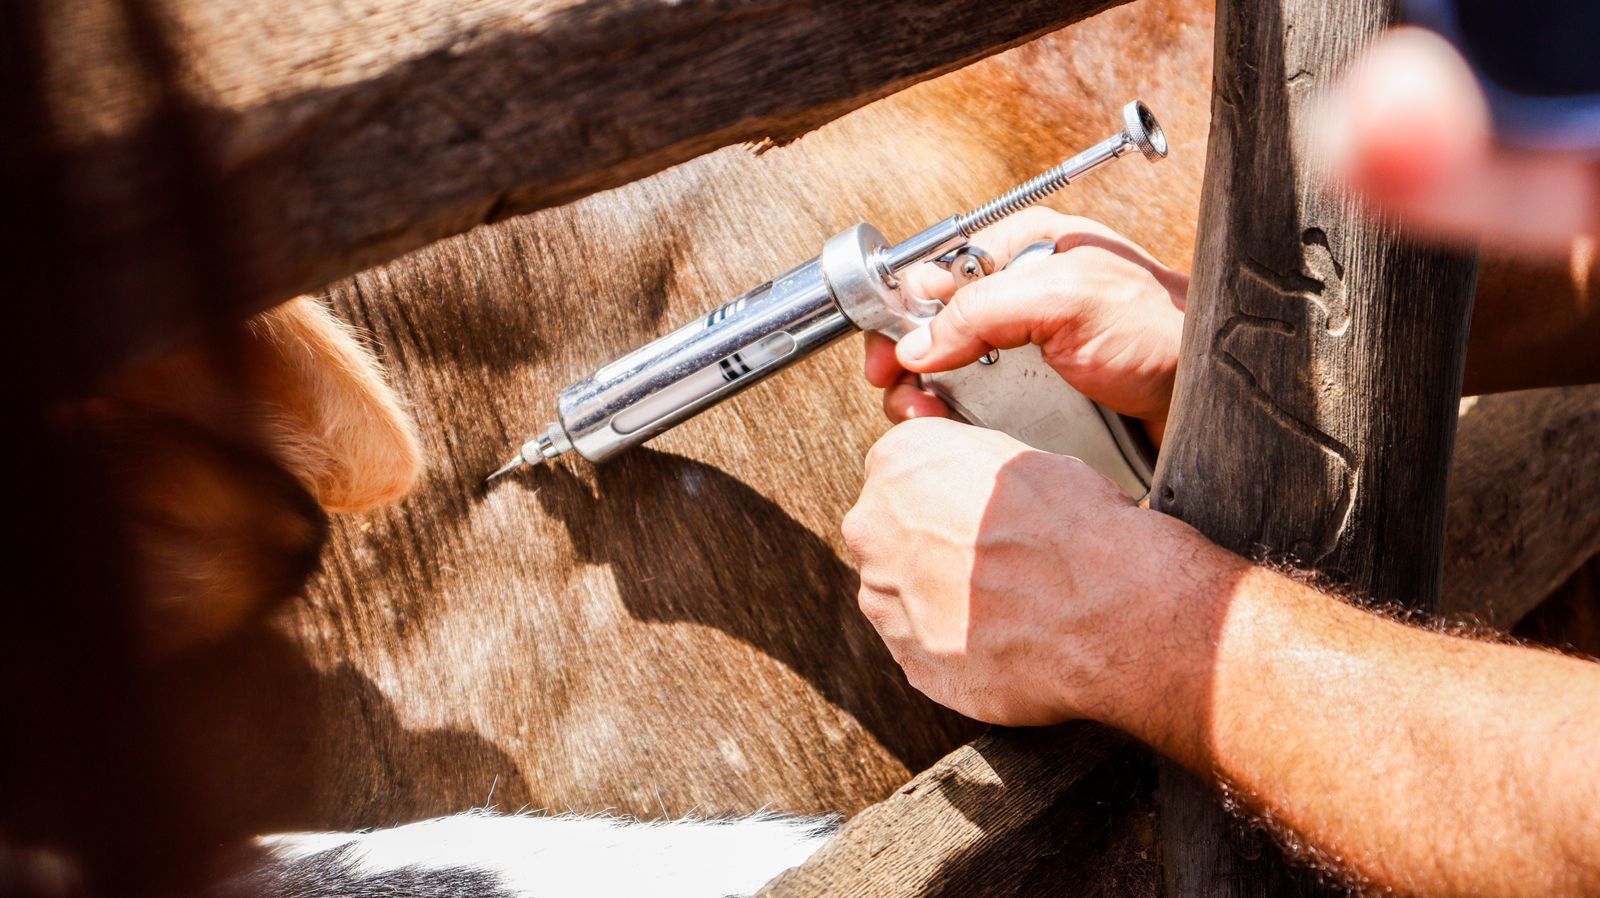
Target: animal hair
x=1332 y=872
x=334 y=421
x=335 y=873
x=482 y=853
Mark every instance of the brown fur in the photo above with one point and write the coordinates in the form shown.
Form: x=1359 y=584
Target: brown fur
x=672 y=632
x=224 y=529
x=675 y=631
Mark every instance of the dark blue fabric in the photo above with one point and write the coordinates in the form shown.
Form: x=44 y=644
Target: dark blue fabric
x=1548 y=48
x=1538 y=62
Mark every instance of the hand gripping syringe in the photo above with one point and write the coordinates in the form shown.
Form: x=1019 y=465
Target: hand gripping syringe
x=855 y=284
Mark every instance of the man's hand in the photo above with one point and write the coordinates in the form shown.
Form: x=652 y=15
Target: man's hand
x=1006 y=581
x=1106 y=315
x=1022 y=588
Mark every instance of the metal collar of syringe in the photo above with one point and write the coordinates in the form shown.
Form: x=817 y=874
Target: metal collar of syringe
x=863 y=268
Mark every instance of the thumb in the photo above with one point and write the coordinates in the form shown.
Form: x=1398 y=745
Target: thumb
x=1415 y=118
x=1001 y=311
x=1417 y=138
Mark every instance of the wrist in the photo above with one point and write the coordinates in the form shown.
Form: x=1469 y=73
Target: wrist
x=1176 y=589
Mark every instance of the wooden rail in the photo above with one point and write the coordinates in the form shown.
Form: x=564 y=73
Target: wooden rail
x=235 y=153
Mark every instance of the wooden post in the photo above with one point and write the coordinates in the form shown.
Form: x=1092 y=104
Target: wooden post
x=1322 y=358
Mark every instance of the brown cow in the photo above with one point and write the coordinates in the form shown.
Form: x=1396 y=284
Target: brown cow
x=674 y=633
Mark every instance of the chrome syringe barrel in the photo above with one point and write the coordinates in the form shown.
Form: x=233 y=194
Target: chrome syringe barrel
x=669 y=380
x=662 y=383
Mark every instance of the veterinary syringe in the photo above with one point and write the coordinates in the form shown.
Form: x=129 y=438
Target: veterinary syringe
x=853 y=284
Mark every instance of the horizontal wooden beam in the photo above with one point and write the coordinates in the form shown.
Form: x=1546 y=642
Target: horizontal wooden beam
x=980 y=821
x=237 y=153
x=1522 y=516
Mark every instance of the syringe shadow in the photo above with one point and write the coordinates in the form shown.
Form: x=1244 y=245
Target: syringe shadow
x=687 y=542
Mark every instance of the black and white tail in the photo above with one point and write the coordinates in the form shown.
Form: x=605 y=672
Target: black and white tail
x=483 y=854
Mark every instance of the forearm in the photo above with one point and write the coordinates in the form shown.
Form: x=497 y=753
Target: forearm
x=1430 y=764
x=1535 y=323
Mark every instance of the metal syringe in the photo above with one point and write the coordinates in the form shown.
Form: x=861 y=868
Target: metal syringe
x=852 y=284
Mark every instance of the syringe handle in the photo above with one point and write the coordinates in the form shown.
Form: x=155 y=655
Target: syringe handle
x=1017 y=392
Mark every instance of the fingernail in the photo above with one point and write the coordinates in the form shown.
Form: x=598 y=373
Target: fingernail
x=916 y=344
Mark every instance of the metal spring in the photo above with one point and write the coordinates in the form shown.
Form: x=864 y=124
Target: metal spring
x=1019 y=197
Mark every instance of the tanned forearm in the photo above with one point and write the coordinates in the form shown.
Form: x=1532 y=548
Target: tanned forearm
x=1425 y=763
x=1535 y=323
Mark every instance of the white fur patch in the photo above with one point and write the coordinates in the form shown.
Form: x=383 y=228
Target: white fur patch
x=571 y=855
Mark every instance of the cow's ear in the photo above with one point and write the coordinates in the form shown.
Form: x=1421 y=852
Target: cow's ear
x=216 y=530
x=327 y=412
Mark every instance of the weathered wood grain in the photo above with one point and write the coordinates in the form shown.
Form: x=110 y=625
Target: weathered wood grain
x=1315 y=406
x=1522 y=515
x=236 y=152
x=1018 y=812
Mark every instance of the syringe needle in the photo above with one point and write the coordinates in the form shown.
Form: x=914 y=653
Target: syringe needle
x=507 y=468
x=553 y=443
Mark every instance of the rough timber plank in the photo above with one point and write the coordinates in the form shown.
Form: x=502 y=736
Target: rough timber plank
x=296 y=144
x=1315 y=406
x=1015 y=812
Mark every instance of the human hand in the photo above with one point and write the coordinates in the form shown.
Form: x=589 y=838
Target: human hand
x=1411 y=130
x=1016 y=586
x=1107 y=317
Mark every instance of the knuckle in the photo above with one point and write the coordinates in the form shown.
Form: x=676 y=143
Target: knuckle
x=905 y=447
x=854 y=530
x=890 y=410
x=1035 y=217
x=1019 y=228
x=894 y=441
x=917 y=432
x=1078 y=231
x=873 y=606
x=1085 y=477
x=895 y=401
x=875 y=455
x=958 y=316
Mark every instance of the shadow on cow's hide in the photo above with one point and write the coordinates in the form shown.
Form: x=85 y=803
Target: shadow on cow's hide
x=752 y=572
x=225 y=695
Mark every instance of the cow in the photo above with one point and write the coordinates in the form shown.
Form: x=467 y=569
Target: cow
x=673 y=632
x=670 y=635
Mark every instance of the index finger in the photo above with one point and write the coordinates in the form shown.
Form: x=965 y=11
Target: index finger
x=882 y=368
x=1006 y=238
